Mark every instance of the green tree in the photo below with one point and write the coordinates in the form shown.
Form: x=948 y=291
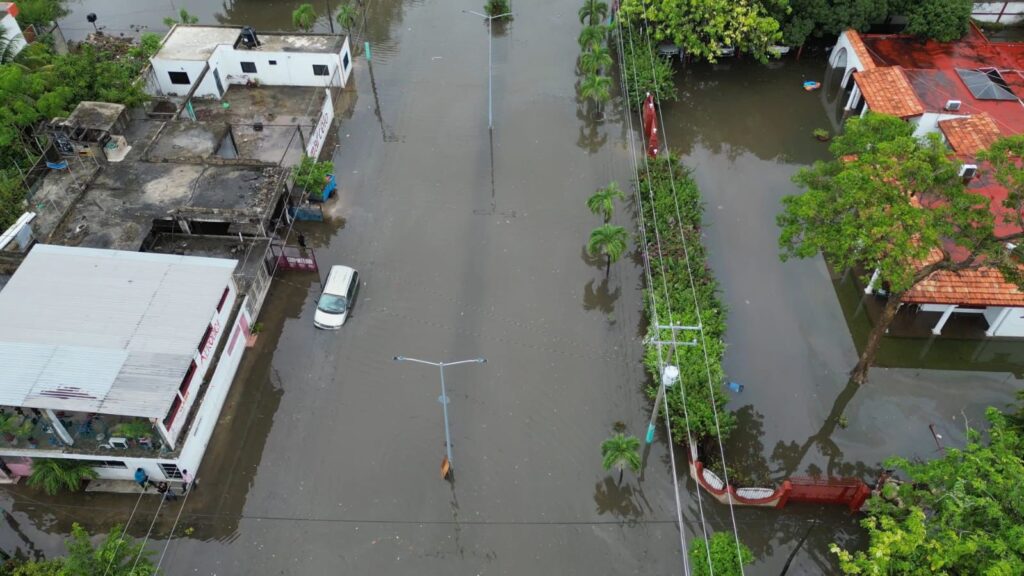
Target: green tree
x=619 y=452
x=726 y=554
x=184 y=17
x=647 y=72
x=593 y=12
x=1006 y=157
x=116 y=555
x=304 y=17
x=958 y=514
x=496 y=7
x=347 y=17
x=704 y=27
x=40 y=12
x=892 y=203
x=597 y=88
x=53 y=475
x=943 y=20
x=602 y=202
x=591 y=36
x=804 y=18
x=595 y=60
x=608 y=241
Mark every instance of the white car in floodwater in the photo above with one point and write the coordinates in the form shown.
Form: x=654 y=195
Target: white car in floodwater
x=340 y=291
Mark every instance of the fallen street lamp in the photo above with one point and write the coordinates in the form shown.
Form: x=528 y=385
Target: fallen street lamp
x=669 y=376
x=446 y=464
x=490 y=40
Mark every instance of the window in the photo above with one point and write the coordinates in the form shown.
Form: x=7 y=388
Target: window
x=179 y=78
x=170 y=471
x=108 y=464
x=223 y=298
x=206 y=336
x=273 y=62
x=345 y=61
x=319 y=70
x=172 y=412
x=187 y=380
x=249 y=67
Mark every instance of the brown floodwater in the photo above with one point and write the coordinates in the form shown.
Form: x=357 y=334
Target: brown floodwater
x=326 y=456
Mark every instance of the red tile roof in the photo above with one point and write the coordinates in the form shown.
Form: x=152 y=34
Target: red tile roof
x=971 y=134
x=888 y=91
x=857 y=43
x=981 y=287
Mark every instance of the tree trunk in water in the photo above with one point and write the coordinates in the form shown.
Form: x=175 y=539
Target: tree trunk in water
x=621 y=470
x=860 y=372
x=608 y=267
x=799 y=51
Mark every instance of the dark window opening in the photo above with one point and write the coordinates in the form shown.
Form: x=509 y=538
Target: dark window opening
x=249 y=67
x=273 y=62
x=169 y=420
x=320 y=70
x=345 y=61
x=108 y=464
x=209 y=228
x=179 y=78
x=170 y=471
x=187 y=380
x=223 y=299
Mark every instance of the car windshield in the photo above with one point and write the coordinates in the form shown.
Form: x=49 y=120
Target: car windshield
x=332 y=304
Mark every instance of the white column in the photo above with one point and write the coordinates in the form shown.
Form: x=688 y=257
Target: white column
x=59 y=428
x=942 y=321
x=851 y=103
x=871 y=284
x=998 y=322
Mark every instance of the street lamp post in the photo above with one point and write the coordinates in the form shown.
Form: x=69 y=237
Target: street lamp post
x=444 y=397
x=490 y=39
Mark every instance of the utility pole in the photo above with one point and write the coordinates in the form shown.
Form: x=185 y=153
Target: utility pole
x=669 y=374
x=490 y=39
x=446 y=464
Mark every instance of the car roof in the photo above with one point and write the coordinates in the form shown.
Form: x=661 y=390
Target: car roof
x=338 y=279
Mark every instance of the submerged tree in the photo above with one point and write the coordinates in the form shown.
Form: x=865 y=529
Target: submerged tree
x=347 y=17
x=727 y=556
x=596 y=88
x=958 y=514
x=116 y=555
x=891 y=203
x=593 y=12
x=591 y=36
x=304 y=17
x=608 y=241
x=620 y=452
x=595 y=60
x=602 y=202
x=184 y=17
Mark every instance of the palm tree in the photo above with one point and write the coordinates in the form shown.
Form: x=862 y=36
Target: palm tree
x=347 y=16
x=52 y=475
x=304 y=17
x=593 y=10
x=595 y=60
x=620 y=451
x=597 y=88
x=602 y=202
x=591 y=35
x=609 y=241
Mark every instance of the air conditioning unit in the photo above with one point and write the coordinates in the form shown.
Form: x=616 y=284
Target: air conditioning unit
x=968 y=171
x=953 y=105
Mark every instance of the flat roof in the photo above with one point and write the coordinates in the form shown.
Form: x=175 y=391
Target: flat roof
x=315 y=43
x=104 y=331
x=195 y=42
x=95 y=115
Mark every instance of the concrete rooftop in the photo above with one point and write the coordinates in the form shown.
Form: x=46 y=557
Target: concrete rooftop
x=95 y=115
x=191 y=42
x=316 y=43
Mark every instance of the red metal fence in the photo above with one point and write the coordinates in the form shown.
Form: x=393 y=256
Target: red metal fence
x=848 y=491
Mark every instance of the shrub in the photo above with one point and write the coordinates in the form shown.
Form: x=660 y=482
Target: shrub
x=646 y=71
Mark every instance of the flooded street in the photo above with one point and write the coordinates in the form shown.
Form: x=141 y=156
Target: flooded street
x=326 y=458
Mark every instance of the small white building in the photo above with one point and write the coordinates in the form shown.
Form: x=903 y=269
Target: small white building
x=12 y=31
x=112 y=357
x=211 y=58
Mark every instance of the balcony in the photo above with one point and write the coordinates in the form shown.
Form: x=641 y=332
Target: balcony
x=103 y=434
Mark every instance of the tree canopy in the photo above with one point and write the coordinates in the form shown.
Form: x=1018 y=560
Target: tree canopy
x=726 y=554
x=890 y=202
x=943 y=20
x=958 y=514
x=702 y=28
x=113 y=557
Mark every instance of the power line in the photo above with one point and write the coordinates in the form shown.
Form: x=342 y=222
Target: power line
x=696 y=306
x=124 y=531
x=142 y=547
x=175 y=525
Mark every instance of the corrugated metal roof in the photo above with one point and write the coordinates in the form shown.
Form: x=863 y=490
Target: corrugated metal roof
x=103 y=330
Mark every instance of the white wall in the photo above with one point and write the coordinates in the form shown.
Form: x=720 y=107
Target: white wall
x=322 y=128
x=13 y=32
x=161 y=68
x=1012 y=324
x=291 y=68
x=206 y=418
x=150 y=465
x=929 y=122
x=203 y=358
